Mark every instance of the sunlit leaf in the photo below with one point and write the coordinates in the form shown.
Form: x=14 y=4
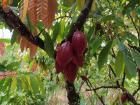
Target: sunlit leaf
x=119 y=64
x=103 y=56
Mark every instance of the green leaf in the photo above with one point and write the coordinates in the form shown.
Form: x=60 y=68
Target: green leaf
x=25 y=82
x=14 y=37
x=136 y=56
x=48 y=43
x=130 y=65
x=118 y=21
x=49 y=47
x=68 y=2
x=56 y=30
x=13 y=84
x=119 y=64
x=102 y=59
x=130 y=37
x=108 y=18
x=34 y=83
x=138 y=10
x=96 y=44
x=2 y=67
x=41 y=85
x=13 y=66
x=19 y=83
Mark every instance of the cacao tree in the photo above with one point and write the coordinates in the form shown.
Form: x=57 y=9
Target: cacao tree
x=89 y=47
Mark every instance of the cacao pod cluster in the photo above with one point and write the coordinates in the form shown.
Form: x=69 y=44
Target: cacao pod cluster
x=70 y=56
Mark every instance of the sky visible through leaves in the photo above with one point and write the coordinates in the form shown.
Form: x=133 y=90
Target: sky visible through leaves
x=5 y=33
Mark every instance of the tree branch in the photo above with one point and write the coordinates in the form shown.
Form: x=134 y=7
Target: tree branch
x=99 y=97
x=104 y=87
x=81 y=19
x=15 y=23
x=123 y=79
x=73 y=97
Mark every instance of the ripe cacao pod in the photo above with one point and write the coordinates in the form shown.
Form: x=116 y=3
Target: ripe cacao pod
x=64 y=54
x=78 y=60
x=70 y=72
x=79 y=42
x=123 y=98
x=58 y=67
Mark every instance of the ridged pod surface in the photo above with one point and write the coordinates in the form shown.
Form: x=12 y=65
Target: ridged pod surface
x=79 y=42
x=64 y=54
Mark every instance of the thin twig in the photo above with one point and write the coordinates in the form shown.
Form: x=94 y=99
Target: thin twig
x=90 y=86
x=103 y=87
x=123 y=79
x=138 y=89
x=117 y=82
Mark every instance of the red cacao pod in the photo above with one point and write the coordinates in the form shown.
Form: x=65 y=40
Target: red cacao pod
x=78 y=60
x=70 y=72
x=79 y=42
x=64 y=54
x=123 y=98
x=58 y=67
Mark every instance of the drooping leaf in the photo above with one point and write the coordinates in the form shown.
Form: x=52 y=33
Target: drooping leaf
x=56 y=31
x=119 y=64
x=68 y=2
x=40 y=10
x=96 y=44
x=4 y=3
x=102 y=58
x=14 y=37
x=33 y=49
x=32 y=11
x=25 y=44
x=48 y=43
x=13 y=84
x=34 y=84
x=129 y=65
x=2 y=67
x=117 y=20
x=80 y=4
x=23 y=10
x=49 y=47
x=130 y=37
x=46 y=11
x=136 y=56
